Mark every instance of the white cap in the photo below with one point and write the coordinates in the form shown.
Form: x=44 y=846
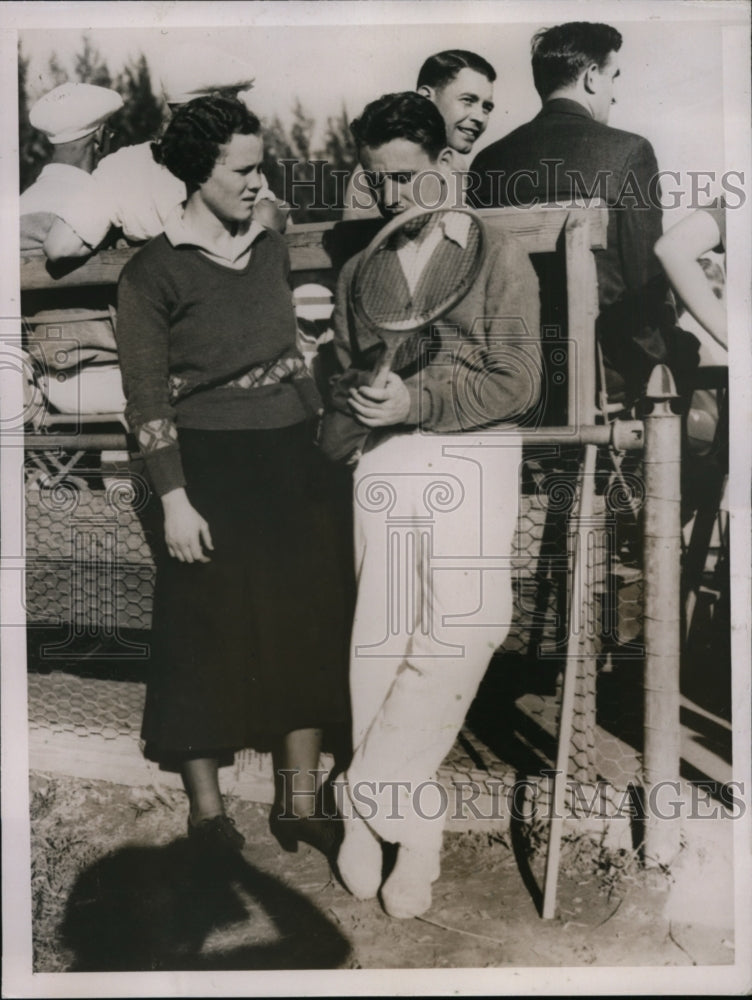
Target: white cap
x=73 y=110
x=197 y=70
x=313 y=301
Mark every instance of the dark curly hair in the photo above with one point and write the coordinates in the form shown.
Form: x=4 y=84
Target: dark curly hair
x=405 y=115
x=190 y=145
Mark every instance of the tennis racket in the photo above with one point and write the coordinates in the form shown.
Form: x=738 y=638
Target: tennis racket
x=413 y=272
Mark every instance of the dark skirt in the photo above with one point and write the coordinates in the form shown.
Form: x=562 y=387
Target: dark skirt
x=254 y=643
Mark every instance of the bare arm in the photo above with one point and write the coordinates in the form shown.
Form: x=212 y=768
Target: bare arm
x=83 y=220
x=678 y=251
x=62 y=242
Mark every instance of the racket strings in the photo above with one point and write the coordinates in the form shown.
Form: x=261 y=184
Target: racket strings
x=413 y=276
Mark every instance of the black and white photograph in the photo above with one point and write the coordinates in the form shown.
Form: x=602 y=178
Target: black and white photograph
x=375 y=583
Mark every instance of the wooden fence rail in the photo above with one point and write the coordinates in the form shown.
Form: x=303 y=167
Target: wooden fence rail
x=321 y=246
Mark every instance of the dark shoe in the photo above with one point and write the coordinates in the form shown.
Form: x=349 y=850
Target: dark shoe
x=322 y=832
x=218 y=834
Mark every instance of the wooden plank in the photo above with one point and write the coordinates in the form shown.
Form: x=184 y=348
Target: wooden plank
x=323 y=246
x=582 y=309
x=120 y=761
x=539 y=229
x=102 y=269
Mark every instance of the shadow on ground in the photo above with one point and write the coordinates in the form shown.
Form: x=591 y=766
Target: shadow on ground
x=155 y=908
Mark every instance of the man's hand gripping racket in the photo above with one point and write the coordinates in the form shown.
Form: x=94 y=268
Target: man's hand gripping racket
x=413 y=272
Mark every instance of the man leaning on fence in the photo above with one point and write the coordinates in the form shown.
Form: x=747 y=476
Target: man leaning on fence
x=451 y=469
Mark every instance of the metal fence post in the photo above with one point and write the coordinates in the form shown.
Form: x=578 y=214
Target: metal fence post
x=662 y=573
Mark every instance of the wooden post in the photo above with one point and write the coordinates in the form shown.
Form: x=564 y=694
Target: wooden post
x=576 y=649
x=579 y=667
x=582 y=309
x=662 y=630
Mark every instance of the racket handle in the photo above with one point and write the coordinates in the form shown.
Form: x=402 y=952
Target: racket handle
x=380 y=376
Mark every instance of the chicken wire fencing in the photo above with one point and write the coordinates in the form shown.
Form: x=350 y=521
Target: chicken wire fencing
x=89 y=583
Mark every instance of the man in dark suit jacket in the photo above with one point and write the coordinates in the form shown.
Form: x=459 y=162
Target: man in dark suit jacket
x=569 y=151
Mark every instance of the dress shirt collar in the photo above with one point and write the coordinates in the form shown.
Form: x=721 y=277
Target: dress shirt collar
x=414 y=255
x=62 y=171
x=454 y=226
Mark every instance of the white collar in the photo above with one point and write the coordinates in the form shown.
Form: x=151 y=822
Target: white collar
x=181 y=233
x=62 y=168
x=454 y=226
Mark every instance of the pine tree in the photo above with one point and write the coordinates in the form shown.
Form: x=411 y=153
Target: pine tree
x=277 y=147
x=341 y=156
x=301 y=131
x=140 y=118
x=339 y=147
x=34 y=150
x=56 y=71
x=91 y=67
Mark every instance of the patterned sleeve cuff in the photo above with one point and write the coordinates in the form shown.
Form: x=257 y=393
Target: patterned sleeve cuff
x=158 y=442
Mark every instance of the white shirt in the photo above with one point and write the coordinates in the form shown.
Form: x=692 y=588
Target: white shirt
x=135 y=193
x=60 y=191
x=414 y=254
x=129 y=190
x=138 y=195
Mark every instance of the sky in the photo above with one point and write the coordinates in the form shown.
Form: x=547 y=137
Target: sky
x=670 y=89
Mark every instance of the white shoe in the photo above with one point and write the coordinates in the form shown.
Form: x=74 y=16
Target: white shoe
x=407 y=891
x=359 y=860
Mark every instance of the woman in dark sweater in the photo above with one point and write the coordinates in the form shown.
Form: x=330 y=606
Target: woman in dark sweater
x=249 y=625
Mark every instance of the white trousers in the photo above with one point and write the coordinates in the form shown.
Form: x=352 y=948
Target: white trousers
x=435 y=517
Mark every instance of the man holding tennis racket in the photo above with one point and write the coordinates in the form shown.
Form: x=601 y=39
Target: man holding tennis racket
x=436 y=328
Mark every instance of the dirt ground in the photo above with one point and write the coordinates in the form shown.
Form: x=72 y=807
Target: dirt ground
x=115 y=888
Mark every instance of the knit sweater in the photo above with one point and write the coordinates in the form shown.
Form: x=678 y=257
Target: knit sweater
x=209 y=347
x=483 y=369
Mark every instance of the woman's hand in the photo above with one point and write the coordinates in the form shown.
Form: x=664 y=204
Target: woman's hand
x=381 y=407
x=185 y=528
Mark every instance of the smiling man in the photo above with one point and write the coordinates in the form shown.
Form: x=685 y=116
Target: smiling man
x=460 y=84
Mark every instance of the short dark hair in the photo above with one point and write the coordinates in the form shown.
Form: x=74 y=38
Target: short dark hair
x=405 y=115
x=190 y=145
x=440 y=69
x=561 y=53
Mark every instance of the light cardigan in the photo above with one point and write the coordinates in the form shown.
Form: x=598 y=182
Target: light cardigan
x=484 y=367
